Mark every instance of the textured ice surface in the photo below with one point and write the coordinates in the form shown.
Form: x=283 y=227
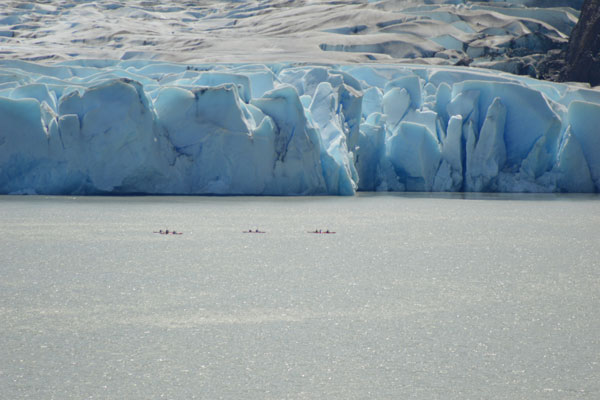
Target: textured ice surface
x=509 y=36
x=283 y=129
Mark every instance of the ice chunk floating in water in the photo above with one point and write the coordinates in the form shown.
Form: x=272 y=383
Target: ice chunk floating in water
x=94 y=127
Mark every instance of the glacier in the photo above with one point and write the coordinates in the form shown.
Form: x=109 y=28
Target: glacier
x=90 y=126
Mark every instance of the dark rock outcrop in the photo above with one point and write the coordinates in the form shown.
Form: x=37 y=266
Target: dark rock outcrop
x=582 y=61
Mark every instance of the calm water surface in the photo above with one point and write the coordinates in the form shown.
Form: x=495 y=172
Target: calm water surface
x=414 y=297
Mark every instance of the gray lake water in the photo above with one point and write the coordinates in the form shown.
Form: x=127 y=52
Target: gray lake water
x=414 y=297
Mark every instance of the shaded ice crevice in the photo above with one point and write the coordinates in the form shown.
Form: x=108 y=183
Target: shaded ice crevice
x=93 y=127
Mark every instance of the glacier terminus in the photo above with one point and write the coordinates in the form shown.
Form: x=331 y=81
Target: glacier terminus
x=156 y=127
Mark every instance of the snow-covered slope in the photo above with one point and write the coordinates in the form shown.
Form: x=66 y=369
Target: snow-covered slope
x=286 y=129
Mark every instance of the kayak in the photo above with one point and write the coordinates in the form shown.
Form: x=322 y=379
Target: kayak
x=170 y=233
x=253 y=232
x=321 y=233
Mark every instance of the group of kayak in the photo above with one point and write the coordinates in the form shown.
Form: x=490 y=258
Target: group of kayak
x=315 y=231
x=168 y=232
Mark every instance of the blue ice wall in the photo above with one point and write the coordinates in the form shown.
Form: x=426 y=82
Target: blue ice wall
x=284 y=129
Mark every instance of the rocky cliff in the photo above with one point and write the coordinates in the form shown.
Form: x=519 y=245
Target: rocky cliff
x=582 y=62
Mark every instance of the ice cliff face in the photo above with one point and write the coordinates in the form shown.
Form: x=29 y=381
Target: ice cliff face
x=85 y=127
